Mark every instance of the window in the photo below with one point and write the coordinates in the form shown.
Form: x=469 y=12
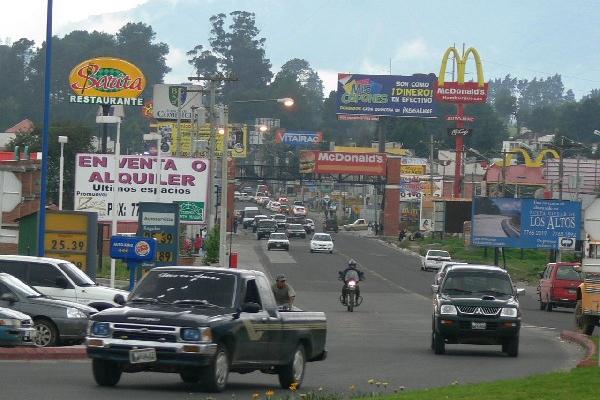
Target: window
x=548 y=272
x=43 y=275
x=4 y=289
x=18 y=269
x=567 y=272
x=252 y=295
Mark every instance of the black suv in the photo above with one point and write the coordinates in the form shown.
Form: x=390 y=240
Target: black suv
x=476 y=304
x=330 y=225
x=265 y=227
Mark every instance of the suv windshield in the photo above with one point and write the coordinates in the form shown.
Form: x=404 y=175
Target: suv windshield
x=322 y=238
x=214 y=288
x=76 y=275
x=568 y=272
x=477 y=283
x=438 y=253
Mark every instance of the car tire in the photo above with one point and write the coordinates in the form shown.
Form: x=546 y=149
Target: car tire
x=191 y=375
x=438 y=344
x=287 y=249
x=47 y=333
x=293 y=373
x=583 y=323
x=214 y=377
x=268 y=248
x=549 y=306
x=542 y=304
x=106 y=373
x=312 y=251
x=330 y=251
x=511 y=347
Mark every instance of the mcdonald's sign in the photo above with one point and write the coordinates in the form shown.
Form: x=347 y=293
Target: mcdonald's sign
x=461 y=91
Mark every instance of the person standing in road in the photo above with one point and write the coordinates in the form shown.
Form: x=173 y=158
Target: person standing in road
x=284 y=293
x=235 y=225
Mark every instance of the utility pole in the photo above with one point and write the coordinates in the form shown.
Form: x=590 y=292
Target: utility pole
x=179 y=133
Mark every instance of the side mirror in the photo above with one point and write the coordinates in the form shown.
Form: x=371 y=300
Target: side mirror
x=435 y=288
x=9 y=297
x=252 y=308
x=119 y=299
x=520 y=291
x=61 y=283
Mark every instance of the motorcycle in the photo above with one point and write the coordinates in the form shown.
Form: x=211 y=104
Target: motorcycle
x=351 y=299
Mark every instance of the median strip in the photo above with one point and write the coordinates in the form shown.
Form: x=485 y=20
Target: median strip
x=43 y=353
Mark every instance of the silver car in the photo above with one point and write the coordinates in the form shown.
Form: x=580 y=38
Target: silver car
x=56 y=321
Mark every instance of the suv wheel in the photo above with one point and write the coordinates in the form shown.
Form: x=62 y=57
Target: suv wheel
x=549 y=306
x=438 y=344
x=511 y=347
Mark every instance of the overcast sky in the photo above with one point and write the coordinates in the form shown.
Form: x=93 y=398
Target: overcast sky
x=524 y=38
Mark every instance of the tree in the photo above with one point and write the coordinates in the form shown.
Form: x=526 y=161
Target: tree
x=16 y=95
x=204 y=61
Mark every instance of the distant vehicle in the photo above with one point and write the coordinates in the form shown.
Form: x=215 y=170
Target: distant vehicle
x=295 y=230
x=558 y=285
x=16 y=328
x=281 y=220
x=358 y=225
x=437 y=279
x=298 y=203
x=284 y=209
x=248 y=216
x=257 y=218
x=54 y=320
x=262 y=200
x=283 y=200
x=247 y=189
x=476 y=304
x=299 y=210
x=265 y=227
x=434 y=258
x=309 y=225
x=274 y=206
x=321 y=242
x=278 y=241
x=245 y=197
x=330 y=225
x=237 y=195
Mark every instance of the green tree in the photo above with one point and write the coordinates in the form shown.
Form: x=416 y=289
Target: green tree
x=212 y=246
x=16 y=95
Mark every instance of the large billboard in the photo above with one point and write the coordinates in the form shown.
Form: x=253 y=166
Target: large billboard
x=182 y=179
x=413 y=187
x=524 y=223
x=166 y=106
x=334 y=162
x=238 y=139
x=387 y=95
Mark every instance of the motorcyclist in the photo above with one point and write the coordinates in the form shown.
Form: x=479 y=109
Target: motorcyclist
x=351 y=273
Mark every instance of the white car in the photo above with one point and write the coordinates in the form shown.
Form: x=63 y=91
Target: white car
x=278 y=241
x=434 y=259
x=60 y=279
x=237 y=195
x=274 y=206
x=299 y=211
x=321 y=242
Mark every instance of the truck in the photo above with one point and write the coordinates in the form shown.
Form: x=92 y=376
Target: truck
x=203 y=323
x=587 y=307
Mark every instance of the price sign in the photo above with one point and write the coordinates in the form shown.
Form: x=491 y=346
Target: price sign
x=76 y=242
x=161 y=222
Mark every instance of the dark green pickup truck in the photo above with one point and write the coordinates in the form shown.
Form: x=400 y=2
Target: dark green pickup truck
x=204 y=323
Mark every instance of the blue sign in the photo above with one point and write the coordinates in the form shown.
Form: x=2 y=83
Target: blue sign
x=299 y=138
x=387 y=95
x=524 y=223
x=132 y=248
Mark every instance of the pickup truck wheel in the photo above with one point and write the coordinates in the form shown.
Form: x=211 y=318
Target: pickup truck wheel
x=549 y=306
x=106 y=373
x=293 y=373
x=439 y=346
x=190 y=376
x=214 y=377
x=542 y=304
x=583 y=323
x=47 y=334
x=511 y=347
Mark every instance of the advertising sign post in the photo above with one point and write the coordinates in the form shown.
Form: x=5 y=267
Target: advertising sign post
x=134 y=250
x=161 y=222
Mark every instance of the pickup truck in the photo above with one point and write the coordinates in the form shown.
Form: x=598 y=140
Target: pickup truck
x=204 y=323
x=358 y=225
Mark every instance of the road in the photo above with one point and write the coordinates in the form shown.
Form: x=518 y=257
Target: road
x=387 y=338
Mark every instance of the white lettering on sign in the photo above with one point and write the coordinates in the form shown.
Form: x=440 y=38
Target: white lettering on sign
x=351 y=158
x=157 y=218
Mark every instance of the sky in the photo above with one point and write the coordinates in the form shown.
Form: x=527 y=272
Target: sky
x=523 y=38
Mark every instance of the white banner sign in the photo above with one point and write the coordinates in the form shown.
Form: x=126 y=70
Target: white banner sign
x=164 y=101
x=182 y=179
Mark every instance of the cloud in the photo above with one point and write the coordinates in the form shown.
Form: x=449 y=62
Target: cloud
x=415 y=49
x=180 y=68
x=329 y=78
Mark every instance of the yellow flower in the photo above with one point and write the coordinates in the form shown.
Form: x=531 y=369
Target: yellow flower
x=294 y=386
x=269 y=393
x=352 y=387
x=255 y=396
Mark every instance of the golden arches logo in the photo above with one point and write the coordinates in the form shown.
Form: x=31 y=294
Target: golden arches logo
x=461 y=91
x=528 y=158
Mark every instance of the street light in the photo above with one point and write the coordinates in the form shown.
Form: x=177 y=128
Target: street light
x=223 y=253
x=62 y=140
x=158 y=137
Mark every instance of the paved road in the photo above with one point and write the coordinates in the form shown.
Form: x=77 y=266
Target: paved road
x=387 y=338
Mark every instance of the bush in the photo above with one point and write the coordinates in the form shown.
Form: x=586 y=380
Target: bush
x=211 y=254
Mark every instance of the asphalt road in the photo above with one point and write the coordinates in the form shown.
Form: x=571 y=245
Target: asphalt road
x=387 y=338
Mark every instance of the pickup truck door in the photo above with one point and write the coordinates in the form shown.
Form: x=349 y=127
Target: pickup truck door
x=273 y=320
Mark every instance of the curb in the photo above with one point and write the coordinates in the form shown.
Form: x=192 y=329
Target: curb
x=585 y=342
x=43 y=353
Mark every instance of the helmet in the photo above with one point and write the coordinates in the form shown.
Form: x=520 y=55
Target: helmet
x=352 y=263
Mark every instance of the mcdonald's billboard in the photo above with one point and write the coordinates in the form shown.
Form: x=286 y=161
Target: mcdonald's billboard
x=461 y=91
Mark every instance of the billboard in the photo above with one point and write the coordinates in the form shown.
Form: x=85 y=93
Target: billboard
x=461 y=91
x=107 y=80
x=298 y=138
x=332 y=162
x=238 y=139
x=413 y=166
x=413 y=187
x=524 y=223
x=182 y=179
x=386 y=95
x=164 y=101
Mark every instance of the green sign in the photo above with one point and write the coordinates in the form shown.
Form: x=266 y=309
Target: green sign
x=191 y=211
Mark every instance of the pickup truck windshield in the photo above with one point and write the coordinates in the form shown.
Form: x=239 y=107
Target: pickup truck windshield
x=477 y=283
x=170 y=286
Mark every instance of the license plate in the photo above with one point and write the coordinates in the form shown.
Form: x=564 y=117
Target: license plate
x=278 y=245
x=478 y=325
x=138 y=356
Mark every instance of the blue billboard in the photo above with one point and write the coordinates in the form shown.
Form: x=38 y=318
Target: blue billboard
x=387 y=95
x=132 y=248
x=524 y=223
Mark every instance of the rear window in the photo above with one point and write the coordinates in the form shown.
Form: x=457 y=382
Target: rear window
x=295 y=227
x=267 y=223
x=438 y=253
x=322 y=238
x=568 y=272
x=250 y=213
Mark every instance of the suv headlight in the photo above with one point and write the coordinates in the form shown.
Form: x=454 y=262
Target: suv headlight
x=101 y=329
x=509 y=312
x=447 y=309
x=75 y=313
x=196 y=335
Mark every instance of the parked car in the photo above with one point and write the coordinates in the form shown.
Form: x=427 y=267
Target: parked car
x=321 y=242
x=476 y=304
x=265 y=227
x=358 y=225
x=299 y=210
x=16 y=328
x=434 y=258
x=558 y=285
x=309 y=225
x=295 y=230
x=437 y=279
x=278 y=241
x=330 y=225
x=55 y=321
x=59 y=279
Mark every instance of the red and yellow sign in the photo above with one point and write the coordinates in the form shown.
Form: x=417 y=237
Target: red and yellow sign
x=332 y=162
x=106 y=80
x=461 y=91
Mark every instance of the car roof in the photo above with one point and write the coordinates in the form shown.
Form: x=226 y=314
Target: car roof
x=233 y=271
x=8 y=257
x=476 y=267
